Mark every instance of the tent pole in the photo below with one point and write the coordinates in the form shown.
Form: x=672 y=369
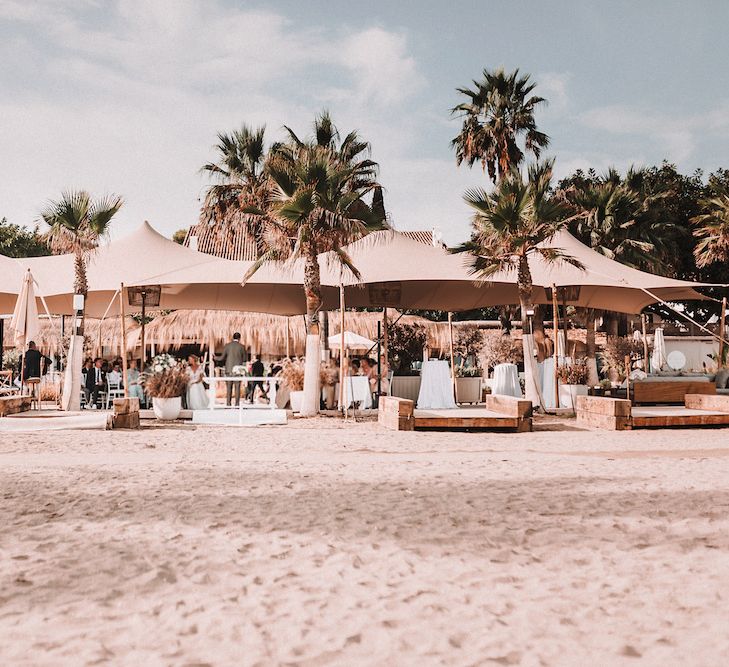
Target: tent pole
x=144 y=312
x=341 y=347
x=722 y=333
x=288 y=340
x=645 y=342
x=555 y=326
x=22 y=364
x=564 y=323
x=453 y=363
x=125 y=382
x=385 y=339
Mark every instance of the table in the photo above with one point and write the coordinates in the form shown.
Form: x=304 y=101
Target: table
x=436 y=386
x=506 y=380
x=272 y=384
x=357 y=390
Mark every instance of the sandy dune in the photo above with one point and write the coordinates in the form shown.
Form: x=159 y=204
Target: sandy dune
x=328 y=544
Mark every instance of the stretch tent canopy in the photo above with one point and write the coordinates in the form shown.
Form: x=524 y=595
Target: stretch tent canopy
x=188 y=278
x=397 y=271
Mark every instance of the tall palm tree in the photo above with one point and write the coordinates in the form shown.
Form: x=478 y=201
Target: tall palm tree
x=712 y=230
x=499 y=112
x=76 y=224
x=510 y=225
x=241 y=182
x=316 y=206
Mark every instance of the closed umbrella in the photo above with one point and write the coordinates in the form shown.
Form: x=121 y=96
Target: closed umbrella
x=25 y=323
x=658 y=358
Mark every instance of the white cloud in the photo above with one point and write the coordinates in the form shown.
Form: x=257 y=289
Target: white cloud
x=676 y=136
x=553 y=87
x=128 y=96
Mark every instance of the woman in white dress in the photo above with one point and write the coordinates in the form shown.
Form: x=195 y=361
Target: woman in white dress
x=197 y=396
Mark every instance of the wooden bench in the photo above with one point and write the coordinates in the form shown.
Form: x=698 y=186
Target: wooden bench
x=604 y=412
x=668 y=391
x=12 y=405
x=396 y=413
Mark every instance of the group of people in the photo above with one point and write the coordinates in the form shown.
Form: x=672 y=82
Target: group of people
x=99 y=375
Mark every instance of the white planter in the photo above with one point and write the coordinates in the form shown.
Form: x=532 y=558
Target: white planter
x=568 y=394
x=296 y=397
x=167 y=409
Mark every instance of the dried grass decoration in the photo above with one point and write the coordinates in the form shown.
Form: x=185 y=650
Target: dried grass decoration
x=166 y=377
x=292 y=374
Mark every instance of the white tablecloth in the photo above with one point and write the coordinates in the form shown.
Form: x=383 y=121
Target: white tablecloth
x=357 y=390
x=506 y=380
x=436 y=386
x=547 y=374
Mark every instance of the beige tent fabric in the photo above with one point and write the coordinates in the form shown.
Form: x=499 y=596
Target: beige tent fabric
x=396 y=271
x=421 y=277
x=12 y=275
x=25 y=324
x=189 y=279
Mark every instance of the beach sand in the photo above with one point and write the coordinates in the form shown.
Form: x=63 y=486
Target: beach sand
x=323 y=543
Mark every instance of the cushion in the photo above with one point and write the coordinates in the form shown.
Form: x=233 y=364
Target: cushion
x=722 y=377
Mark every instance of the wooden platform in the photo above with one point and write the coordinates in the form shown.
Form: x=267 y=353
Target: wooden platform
x=500 y=412
x=618 y=414
x=464 y=418
x=664 y=416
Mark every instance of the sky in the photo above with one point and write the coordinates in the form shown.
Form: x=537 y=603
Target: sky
x=127 y=96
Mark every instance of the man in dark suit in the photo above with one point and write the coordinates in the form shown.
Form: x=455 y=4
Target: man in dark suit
x=257 y=370
x=32 y=363
x=95 y=383
x=233 y=354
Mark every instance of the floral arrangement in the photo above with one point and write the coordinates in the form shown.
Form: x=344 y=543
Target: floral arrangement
x=239 y=370
x=11 y=358
x=166 y=377
x=468 y=372
x=406 y=343
x=605 y=384
x=574 y=373
x=292 y=374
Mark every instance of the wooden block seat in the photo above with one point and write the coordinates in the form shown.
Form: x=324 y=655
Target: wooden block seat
x=12 y=405
x=501 y=412
x=669 y=389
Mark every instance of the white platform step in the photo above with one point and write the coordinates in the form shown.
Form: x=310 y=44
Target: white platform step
x=239 y=417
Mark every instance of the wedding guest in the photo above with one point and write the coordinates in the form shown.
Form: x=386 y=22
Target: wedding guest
x=33 y=361
x=134 y=386
x=233 y=354
x=95 y=383
x=115 y=375
x=257 y=370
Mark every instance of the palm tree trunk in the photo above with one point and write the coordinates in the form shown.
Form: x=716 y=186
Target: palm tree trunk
x=531 y=384
x=71 y=398
x=312 y=290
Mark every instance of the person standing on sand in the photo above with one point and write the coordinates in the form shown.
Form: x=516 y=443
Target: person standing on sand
x=233 y=354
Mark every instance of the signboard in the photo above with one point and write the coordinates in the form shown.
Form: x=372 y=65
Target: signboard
x=385 y=294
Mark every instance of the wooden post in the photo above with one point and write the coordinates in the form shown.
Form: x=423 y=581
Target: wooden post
x=722 y=333
x=211 y=371
x=341 y=347
x=122 y=314
x=555 y=327
x=564 y=322
x=22 y=362
x=144 y=313
x=627 y=376
x=385 y=339
x=288 y=340
x=645 y=343
x=453 y=362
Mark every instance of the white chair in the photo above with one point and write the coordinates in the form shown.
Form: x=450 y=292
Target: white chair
x=114 y=390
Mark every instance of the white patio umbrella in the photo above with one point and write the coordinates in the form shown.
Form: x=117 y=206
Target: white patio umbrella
x=658 y=358
x=25 y=323
x=352 y=341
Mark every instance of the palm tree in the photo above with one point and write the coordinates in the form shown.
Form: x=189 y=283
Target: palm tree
x=241 y=182
x=510 y=225
x=76 y=224
x=712 y=230
x=316 y=206
x=499 y=112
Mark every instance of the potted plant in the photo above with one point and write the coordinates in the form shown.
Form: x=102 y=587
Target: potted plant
x=468 y=384
x=165 y=382
x=292 y=376
x=573 y=382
